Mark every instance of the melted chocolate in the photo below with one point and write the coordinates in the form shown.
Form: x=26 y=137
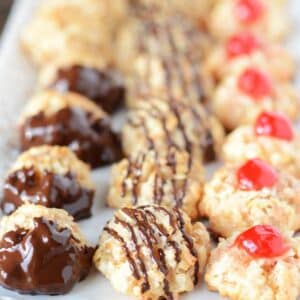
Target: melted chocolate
x=93 y=141
x=47 y=189
x=104 y=87
x=43 y=260
x=146 y=229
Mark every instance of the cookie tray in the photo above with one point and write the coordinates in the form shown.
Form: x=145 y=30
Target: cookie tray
x=17 y=78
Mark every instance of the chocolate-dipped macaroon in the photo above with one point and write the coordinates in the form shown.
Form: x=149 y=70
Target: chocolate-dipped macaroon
x=149 y=252
x=42 y=251
x=70 y=120
x=105 y=86
x=51 y=176
x=159 y=124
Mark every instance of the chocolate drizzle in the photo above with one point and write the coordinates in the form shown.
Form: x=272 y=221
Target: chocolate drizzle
x=91 y=139
x=47 y=189
x=179 y=57
x=42 y=260
x=104 y=87
x=145 y=231
x=199 y=139
x=134 y=175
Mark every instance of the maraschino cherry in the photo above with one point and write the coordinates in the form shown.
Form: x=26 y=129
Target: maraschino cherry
x=242 y=44
x=249 y=11
x=275 y=125
x=256 y=174
x=262 y=241
x=255 y=84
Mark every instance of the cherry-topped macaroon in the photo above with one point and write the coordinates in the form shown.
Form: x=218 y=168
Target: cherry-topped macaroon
x=243 y=43
x=256 y=174
x=249 y=11
x=255 y=83
x=262 y=241
x=275 y=125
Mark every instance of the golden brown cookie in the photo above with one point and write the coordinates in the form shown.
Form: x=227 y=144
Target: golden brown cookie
x=272 y=138
x=81 y=27
x=267 y=19
x=146 y=178
x=260 y=263
x=152 y=253
x=159 y=124
x=251 y=90
x=240 y=196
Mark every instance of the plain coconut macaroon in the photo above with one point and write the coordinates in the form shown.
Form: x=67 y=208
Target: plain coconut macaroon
x=251 y=90
x=159 y=124
x=42 y=251
x=63 y=26
x=267 y=19
x=271 y=138
x=152 y=253
x=247 y=49
x=68 y=119
x=259 y=263
x=51 y=176
x=240 y=196
x=147 y=178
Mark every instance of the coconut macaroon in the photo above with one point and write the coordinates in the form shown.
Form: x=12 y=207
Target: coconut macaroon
x=173 y=180
x=42 y=251
x=272 y=138
x=158 y=36
x=160 y=124
x=267 y=19
x=63 y=26
x=152 y=253
x=190 y=9
x=51 y=176
x=70 y=120
x=105 y=86
x=238 y=197
x=260 y=263
x=246 y=49
x=250 y=91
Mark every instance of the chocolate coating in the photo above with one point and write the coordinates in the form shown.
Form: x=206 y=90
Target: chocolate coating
x=91 y=140
x=43 y=260
x=104 y=87
x=47 y=189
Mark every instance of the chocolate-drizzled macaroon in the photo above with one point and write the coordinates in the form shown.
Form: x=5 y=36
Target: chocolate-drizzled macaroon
x=105 y=86
x=163 y=57
x=70 y=120
x=160 y=124
x=42 y=251
x=51 y=176
x=152 y=253
x=171 y=180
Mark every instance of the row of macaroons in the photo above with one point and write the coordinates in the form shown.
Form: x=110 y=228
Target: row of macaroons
x=146 y=251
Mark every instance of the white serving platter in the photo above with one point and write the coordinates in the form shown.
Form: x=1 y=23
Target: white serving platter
x=17 y=82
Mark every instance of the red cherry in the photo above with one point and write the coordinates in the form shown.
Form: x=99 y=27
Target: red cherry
x=255 y=83
x=242 y=44
x=275 y=125
x=249 y=11
x=256 y=174
x=262 y=241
